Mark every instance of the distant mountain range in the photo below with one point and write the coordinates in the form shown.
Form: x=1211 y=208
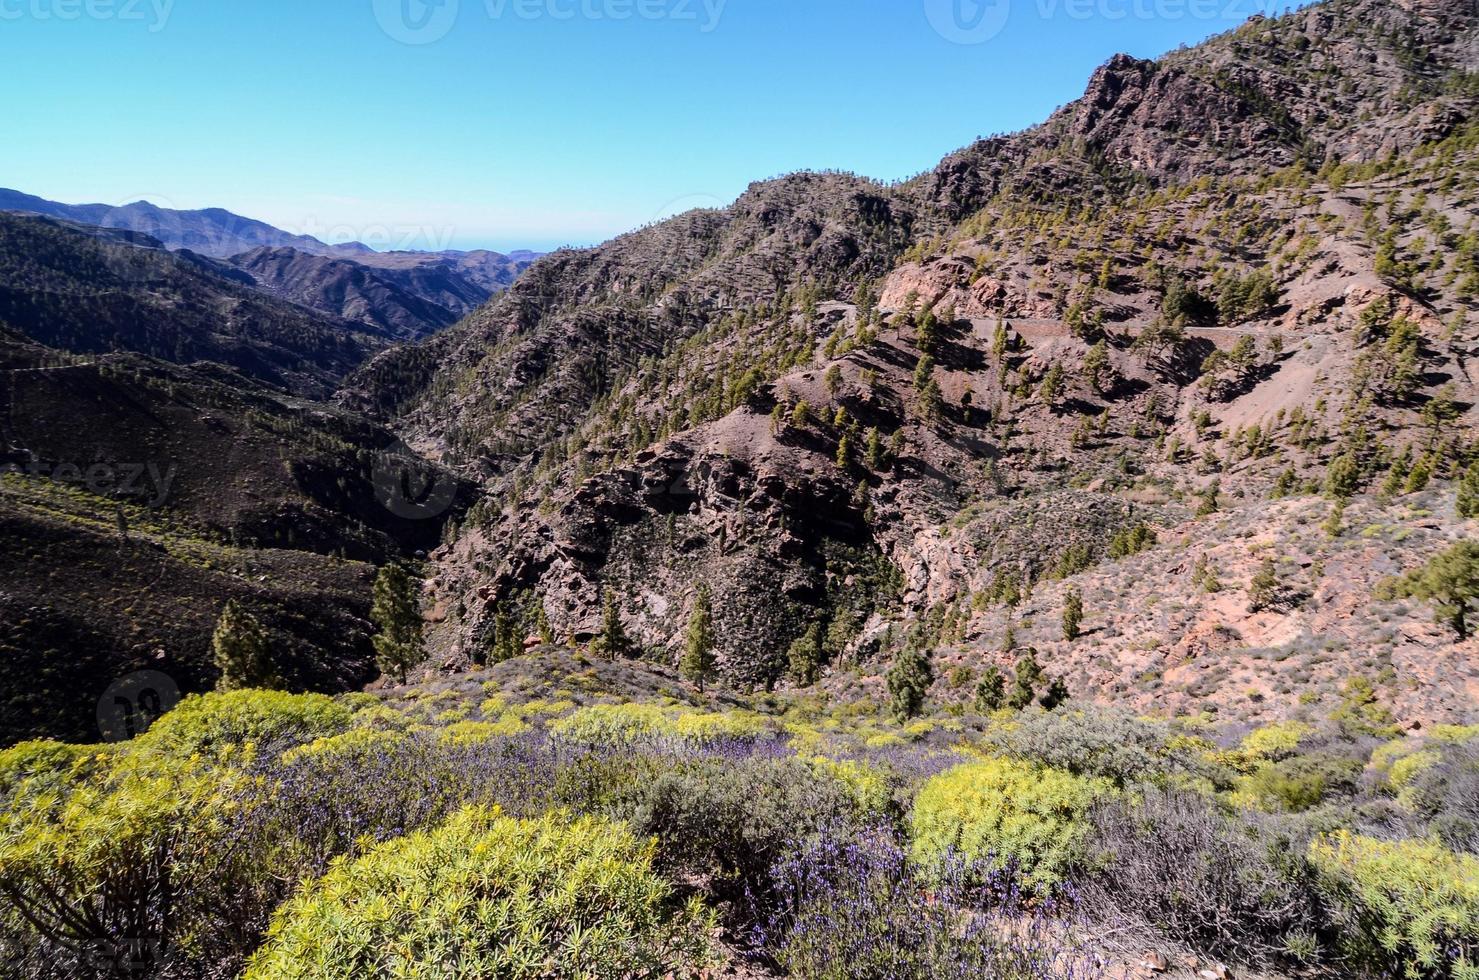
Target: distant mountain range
x=212 y=231
x=410 y=295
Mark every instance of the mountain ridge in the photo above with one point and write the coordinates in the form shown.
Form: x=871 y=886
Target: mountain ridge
x=691 y=403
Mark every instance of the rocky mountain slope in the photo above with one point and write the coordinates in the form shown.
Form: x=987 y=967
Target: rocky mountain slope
x=406 y=295
x=137 y=496
x=90 y=291
x=1240 y=273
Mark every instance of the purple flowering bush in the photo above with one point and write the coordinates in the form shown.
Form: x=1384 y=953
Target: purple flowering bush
x=857 y=907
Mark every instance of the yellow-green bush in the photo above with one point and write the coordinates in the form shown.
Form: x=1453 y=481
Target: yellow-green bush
x=219 y=724
x=468 y=732
x=87 y=861
x=1273 y=742
x=357 y=701
x=1403 y=770
x=1455 y=734
x=618 y=724
x=381 y=717
x=347 y=746
x=490 y=896
x=805 y=739
x=1411 y=905
x=47 y=763
x=540 y=708
x=998 y=811
x=868 y=785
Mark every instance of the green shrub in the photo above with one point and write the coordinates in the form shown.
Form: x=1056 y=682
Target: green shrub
x=489 y=896
x=870 y=787
x=1440 y=784
x=1273 y=742
x=732 y=819
x=221 y=724
x=999 y=811
x=1409 y=906
x=1302 y=782
x=1111 y=743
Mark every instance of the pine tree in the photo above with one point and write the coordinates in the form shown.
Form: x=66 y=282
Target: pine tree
x=991 y=692
x=396 y=610
x=1450 y=580
x=542 y=628
x=1264 y=588
x=507 y=641
x=874 y=453
x=926 y=332
x=1334 y=525
x=698 y=649
x=1468 y=492
x=909 y=680
x=1210 y=499
x=1096 y=362
x=1073 y=614
x=613 y=643
x=1000 y=341
x=1343 y=477
x=1052 y=384
x=805 y=656
x=930 y=401
x=832 y=380
x=1418 y=478
x=242 y=652
x=1029 y=675
x=845 y=452
x=1056 y=694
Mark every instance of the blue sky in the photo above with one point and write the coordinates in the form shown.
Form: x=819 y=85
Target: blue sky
x=533 y=123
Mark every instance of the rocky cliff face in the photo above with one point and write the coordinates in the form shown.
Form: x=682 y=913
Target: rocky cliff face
x=869 y=407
